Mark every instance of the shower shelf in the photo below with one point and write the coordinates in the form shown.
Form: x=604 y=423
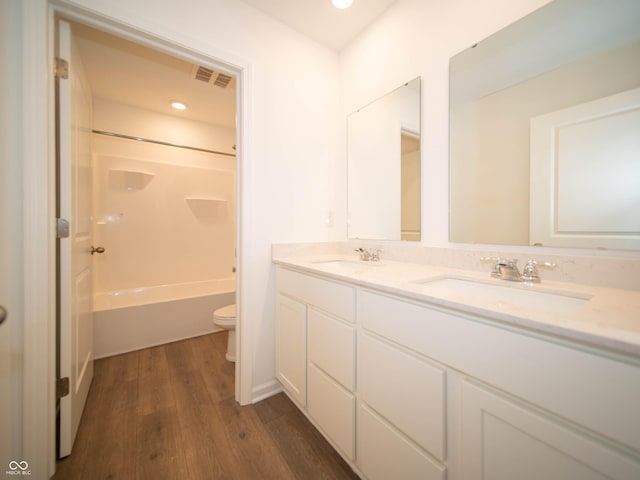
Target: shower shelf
x=129 y=179
x=208 y=208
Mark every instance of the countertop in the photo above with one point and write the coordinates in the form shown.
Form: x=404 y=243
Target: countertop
x=606 y=318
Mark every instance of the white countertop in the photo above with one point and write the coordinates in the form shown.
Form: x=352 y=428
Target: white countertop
x=609 y=319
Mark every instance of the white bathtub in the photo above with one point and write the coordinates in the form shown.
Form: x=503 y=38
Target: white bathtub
x=129 y=320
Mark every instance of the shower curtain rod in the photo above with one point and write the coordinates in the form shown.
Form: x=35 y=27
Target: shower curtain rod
x=158 y=142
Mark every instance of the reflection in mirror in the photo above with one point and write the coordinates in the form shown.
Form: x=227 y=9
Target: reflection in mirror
x=383 y=167
x=545 y=130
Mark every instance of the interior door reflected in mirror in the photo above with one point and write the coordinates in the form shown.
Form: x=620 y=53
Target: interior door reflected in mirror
x=544 y=121
x=383 y=167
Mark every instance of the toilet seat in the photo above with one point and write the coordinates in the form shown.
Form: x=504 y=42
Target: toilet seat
x=226 y=313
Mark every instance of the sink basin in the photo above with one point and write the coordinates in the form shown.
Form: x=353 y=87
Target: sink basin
x=531 y=297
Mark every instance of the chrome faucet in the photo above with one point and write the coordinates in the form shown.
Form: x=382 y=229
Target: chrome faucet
x=366 y=255
x=504 y=269
x=508 y=269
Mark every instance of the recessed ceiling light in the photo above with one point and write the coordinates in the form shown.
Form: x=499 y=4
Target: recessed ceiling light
x=178 y=105
x=342 y=3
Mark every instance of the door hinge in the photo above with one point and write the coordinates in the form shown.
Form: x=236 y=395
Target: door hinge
x=62 y=228
x=62 y=387
x=62 y=68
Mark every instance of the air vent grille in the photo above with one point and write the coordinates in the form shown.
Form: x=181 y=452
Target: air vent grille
x=207 y=75
x=222 y=80
x=204 y=74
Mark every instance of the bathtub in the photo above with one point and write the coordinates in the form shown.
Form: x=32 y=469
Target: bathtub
x=129 y=320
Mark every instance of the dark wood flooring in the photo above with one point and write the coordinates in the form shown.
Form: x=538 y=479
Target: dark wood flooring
x=168 y=412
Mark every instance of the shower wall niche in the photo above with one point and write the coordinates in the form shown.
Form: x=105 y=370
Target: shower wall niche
x=165 y=215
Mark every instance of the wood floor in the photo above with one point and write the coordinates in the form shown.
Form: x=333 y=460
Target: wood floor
x=168 y=412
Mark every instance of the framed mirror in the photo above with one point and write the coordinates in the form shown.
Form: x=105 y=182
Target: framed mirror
x=383 y=167
x=545 y=130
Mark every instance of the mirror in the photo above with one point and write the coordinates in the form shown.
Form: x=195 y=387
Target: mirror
x=383 y=167
x=545 y=130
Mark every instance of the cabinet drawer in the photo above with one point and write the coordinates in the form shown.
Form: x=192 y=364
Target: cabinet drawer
x=407 y=391
x=384 y=454
x=335 y=298
x=333 y=409
x=331 y=346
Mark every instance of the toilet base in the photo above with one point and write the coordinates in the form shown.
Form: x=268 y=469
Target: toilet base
x=231 y=346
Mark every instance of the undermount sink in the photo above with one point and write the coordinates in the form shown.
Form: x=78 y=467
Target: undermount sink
x=517 y=295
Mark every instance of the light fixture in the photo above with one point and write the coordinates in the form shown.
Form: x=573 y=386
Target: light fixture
x=342 y=3
x=178 y=105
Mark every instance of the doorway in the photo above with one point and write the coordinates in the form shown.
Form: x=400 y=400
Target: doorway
x=154 y=170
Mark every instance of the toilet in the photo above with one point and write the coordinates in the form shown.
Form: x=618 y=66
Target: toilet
x=225 y=317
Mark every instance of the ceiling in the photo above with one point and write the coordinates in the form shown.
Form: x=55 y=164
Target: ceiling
x=320 y=20
x=132 y=74
x=129 y=73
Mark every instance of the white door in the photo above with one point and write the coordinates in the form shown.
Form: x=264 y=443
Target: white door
x=11 y=241
x=75 y=276
x=585 y=174
x=8 y=196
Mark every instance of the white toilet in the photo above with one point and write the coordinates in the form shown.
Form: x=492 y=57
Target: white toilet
x=225 y=317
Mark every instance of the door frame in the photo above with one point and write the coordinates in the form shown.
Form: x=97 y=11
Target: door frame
x=39 y=162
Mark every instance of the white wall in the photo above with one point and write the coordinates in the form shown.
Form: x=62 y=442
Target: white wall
x=152 y=234
x=417 y=38
x=290 y=138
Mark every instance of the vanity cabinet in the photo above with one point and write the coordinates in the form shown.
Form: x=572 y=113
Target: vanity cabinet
x=407 y=389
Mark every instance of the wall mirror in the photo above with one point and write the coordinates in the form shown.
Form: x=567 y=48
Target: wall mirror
x=545 y=130
x=383 y=167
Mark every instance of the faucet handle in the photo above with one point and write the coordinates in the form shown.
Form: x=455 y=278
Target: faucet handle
x=530 y=271
x=375 y=254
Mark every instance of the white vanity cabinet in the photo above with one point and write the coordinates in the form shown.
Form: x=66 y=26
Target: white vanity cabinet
x=329 y=359
x=409 y=389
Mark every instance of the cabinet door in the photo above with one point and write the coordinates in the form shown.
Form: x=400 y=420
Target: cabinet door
x=291 y=347
x=504 y=440
x=384 y=453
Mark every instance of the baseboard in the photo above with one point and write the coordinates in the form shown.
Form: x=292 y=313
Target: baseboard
x=265 y=390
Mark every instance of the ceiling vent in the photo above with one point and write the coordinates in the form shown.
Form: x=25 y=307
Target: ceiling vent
x=207 y=75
